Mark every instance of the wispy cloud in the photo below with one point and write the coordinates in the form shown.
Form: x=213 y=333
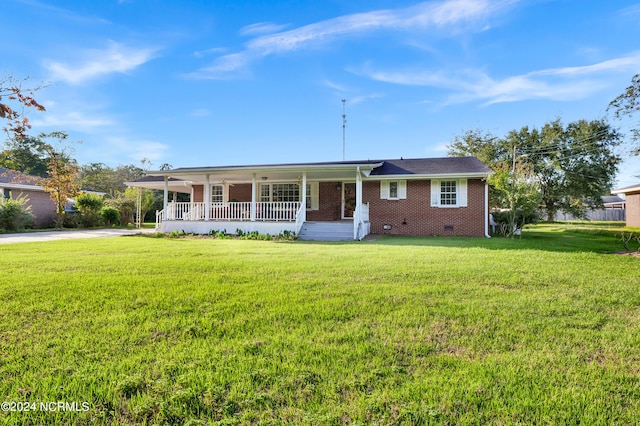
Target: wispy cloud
x=562 y=84
x=93 y=63
x=439 y=15
x=72 y=120
x=262 y=28
x=136 y=149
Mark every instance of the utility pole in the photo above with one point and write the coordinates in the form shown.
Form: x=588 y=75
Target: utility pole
x=344 y=129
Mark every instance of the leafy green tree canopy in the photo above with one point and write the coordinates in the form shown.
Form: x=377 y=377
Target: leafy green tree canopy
x=572 y=165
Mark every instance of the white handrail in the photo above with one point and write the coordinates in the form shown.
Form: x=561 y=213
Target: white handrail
x=361 y=224
x=300 y=217
x=159 y=214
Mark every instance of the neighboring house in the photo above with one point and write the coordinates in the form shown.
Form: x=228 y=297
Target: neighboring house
x=632 y=201
x=329 y=200
x=14 y=184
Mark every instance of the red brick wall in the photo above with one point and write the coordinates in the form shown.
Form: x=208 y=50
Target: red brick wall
x=240 y=192
x=42 y=207
x=633 y=210
x=198 y=193
x=329 y=202
x=415 y=216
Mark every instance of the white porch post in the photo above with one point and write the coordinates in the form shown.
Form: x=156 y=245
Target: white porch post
x=253 y=197
x=165 y=199
x=358 y=212
x=303 y=196
x=207 y=197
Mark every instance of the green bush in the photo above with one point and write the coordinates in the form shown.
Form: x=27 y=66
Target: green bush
x=502 y=219
x=15 y=213
x=89 y=206
x=110 y=215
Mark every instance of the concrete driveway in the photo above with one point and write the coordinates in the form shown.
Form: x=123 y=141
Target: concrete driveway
x=30 y=237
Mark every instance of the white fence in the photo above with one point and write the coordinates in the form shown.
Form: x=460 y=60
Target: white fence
x=597 y=214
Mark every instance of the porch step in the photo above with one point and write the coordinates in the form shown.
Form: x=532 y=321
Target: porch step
x=326 y=231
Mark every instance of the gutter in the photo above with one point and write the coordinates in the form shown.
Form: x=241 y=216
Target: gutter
x=486 y=209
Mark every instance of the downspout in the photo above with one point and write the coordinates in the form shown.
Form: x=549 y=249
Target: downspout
x=486 y=209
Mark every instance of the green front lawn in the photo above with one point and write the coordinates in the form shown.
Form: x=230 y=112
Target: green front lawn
x=542 y=330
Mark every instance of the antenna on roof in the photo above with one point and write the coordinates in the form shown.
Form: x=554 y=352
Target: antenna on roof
x=344 y=128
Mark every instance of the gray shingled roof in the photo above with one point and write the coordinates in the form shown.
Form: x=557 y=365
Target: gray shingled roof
x=14 y=177
x=431 y=166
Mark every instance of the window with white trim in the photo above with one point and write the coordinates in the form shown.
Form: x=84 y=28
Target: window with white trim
x=393 y=189
x=448 y=193
x=312 y=201
x=272 y=192
x=217 y=194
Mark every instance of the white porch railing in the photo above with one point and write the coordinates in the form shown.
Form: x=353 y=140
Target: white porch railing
x=284 y=211
x=159 y=214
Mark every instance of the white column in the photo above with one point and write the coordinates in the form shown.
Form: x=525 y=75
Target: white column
x=253 y=198
x=303 y=196
x=207 y=197
x=358 y=212
x=165 y=200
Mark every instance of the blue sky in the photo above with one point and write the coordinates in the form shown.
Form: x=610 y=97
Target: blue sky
x=197 y=83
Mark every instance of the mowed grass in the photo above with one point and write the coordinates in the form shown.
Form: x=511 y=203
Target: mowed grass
x=542 y=330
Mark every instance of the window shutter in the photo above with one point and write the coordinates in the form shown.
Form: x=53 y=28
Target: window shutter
x=435 y=193
x=462 y=193
x=315 y=196
x=402 y=189
x=384 y=190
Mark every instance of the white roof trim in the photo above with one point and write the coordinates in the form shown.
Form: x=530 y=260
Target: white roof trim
x=23 y=187
x=628 y=189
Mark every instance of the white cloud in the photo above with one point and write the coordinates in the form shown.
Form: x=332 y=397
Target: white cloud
x=72 y=120
x=136 y=149
x=262 y=28
x=562 y=84
x=116 y=58
x=446 y=14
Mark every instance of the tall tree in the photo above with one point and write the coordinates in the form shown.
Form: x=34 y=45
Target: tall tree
x=628 y=104
x=27 y=155
x=101 y=177
x=573 y=165
x=14 y=99
x=62 y=173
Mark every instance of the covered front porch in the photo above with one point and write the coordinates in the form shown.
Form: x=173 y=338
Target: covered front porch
x=271 y=199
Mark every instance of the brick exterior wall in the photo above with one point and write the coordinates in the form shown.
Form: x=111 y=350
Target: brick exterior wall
x=415 y=216
x=198 y=193
x=633 y=210
x=240 y=192
x=329 y=202
x=43 y=209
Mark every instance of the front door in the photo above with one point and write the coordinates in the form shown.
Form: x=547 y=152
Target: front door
x=348 y=199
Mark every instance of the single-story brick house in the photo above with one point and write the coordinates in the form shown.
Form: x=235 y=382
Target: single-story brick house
x=632 y=202
x=328 y=200
x=14 y=184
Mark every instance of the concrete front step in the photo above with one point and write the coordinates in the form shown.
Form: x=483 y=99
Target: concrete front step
x=327 y=231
